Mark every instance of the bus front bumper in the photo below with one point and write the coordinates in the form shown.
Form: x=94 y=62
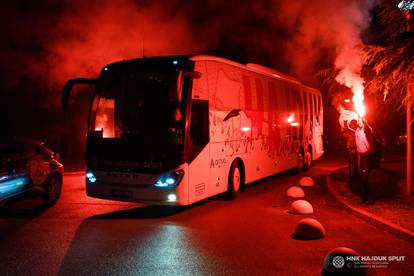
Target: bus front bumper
x=139 y=193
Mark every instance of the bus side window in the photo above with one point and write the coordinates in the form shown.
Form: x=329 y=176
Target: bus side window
x=299 y=111
x=305 y=105
x=199 y=126
x=315 y=107
x=319 y=107
x=311 y=108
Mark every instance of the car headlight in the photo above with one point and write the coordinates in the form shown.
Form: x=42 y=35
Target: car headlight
x=169 y=180
x=90 y=177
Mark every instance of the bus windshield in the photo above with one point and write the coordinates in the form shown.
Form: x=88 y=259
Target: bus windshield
x=144 y=105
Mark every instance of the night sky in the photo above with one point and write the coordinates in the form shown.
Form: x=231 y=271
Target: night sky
x=46 y=42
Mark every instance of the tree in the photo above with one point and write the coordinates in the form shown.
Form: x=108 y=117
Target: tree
x=391 y=55
x=393 y=62
x=389 y=62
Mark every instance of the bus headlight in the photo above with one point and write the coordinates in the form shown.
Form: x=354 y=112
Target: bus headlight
x=169 y=180
x=90 y=177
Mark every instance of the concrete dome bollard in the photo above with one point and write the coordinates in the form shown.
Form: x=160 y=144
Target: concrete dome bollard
x=309 y=229
x=301 y=207
x=295 y=192
x=306 y=181
x=340 y=261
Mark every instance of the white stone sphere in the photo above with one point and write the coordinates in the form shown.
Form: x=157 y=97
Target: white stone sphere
x=337 y=263
x=295 y=192
x=309 y=229
x=301 y=207
x=306 y=181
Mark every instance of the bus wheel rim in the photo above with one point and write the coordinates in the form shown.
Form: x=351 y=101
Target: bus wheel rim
x=300 y=160
x=308 y=158
x=236 y=179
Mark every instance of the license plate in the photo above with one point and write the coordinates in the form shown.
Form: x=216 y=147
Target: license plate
x=122 y=194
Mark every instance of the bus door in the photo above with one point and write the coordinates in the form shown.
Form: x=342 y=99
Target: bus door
x=198 y=151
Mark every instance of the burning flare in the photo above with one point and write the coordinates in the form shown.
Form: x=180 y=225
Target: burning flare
x=358 y=100
x=356 y=83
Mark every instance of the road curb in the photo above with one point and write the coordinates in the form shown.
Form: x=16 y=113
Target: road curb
x=371 y=218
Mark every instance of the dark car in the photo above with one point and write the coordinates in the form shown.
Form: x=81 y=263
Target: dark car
x=28 y=168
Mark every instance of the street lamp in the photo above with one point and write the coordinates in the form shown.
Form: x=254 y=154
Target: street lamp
x=406 y=7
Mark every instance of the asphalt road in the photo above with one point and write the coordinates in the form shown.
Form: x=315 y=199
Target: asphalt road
x=248 y=236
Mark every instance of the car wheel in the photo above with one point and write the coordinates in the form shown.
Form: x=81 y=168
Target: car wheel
x=234 y=181
x=53 y=190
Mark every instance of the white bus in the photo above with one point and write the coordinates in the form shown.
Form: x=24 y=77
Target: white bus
x=179 y=129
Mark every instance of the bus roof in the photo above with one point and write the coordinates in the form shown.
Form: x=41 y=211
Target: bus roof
x=260 y=69
x=249 y=66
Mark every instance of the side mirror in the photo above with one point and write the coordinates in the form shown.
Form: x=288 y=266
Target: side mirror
x=67 y=89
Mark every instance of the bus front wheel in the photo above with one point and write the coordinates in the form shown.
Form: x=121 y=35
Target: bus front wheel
x=234 y=181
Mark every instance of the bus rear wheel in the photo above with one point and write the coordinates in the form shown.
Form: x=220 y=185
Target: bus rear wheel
x=299 y=161
x=234 y=182
x=308 y=159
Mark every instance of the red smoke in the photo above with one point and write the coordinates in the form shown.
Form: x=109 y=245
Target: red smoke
x=89 y=36
x=324 y=29
x=49 y=43
x=57 y=41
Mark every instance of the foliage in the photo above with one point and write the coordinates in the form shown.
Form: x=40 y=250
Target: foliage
x=336 y=91
x=391 y=57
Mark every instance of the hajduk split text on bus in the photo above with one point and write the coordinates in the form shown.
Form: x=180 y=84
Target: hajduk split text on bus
x=176 y=130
